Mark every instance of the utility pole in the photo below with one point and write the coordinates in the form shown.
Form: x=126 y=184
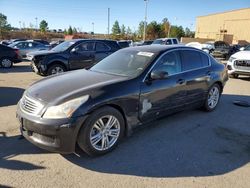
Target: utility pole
x=93 y=25
x=36 y=23
x=108 y=20
x=145 y=21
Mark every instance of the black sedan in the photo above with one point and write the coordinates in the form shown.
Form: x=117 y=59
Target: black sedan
x=71 y=55
x=95 y=108
x=8 y=56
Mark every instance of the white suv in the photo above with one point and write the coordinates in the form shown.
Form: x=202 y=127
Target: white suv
x=239 y=63
x=166 y=41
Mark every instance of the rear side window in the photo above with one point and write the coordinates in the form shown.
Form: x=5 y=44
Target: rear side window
x=168 y=42
x=193 y=60
x=100 y=47
x=175 y=41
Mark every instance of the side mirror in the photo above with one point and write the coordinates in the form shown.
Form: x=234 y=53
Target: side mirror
x=242 y=48
x=158 y=75
x=73 y=51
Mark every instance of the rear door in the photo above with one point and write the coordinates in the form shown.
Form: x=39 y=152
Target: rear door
x=102 y=50
x=197 y=66
x=82 y=56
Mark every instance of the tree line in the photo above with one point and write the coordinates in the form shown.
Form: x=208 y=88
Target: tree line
x=154 y=30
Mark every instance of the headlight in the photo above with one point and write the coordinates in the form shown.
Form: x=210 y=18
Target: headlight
x=231 y=59
x=64 y=110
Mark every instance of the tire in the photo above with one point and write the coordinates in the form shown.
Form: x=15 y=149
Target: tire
x=6 y=62
x=234 y=76
x=212 y=103
x=56 y=69
x=88 y=134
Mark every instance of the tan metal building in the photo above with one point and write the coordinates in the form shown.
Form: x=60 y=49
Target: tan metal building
x=232 y=26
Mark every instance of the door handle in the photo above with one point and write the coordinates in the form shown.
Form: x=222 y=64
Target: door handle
x=208 y=73
x=181 y=81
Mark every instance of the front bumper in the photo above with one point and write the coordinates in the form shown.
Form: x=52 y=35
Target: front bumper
x=53 y=135
x=232 y=69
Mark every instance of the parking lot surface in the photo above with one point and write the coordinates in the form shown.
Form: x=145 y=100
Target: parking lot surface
x=188 y=149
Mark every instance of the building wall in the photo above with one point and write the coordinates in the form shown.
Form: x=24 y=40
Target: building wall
x=232 y=26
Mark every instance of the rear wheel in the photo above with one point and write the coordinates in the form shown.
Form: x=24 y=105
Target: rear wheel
x=6 y=62
x=56 y=69
x=101 y=132
x=213 y=98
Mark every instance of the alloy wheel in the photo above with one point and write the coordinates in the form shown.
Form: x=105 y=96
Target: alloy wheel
x=57 y=70
x=213 y=97
x=6 y=63
x=105 y=133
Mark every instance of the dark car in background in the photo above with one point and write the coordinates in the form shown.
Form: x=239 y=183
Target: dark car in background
x=54 y=43
x=223 y=50
x=95 y=108
x=123 y=44
x=71 y=55
x=41 y=41
x=8 y=56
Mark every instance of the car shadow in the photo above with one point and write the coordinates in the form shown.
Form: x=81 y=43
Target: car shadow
x=188 y=144
x=17 y=69
x=13 y=146
x=10 y=95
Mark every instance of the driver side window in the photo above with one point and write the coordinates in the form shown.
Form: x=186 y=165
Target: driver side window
x=85 y=46
x=170 y=63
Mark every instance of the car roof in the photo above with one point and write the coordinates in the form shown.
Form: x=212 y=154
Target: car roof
x=157 y=48
x=77 y=40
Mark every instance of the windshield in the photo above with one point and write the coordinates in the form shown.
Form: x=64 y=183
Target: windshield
x=247 y=48
x=128 y=63
x=63 y=46
x=158 y=41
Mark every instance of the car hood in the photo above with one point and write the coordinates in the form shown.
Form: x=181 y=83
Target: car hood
x=242 y=55
x=62 y=87
x=42 y=52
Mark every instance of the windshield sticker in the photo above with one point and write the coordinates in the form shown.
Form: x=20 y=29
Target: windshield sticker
x=148 y=54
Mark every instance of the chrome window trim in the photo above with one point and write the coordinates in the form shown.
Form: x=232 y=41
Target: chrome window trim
x=179 y=49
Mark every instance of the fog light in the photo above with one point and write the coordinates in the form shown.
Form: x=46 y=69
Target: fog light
x=229 y=67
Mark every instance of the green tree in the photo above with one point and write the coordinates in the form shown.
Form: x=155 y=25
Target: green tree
x=129 y=31
x=123 y=30
x=3 y=22
x=154 y=30
x=140 y=29
x=75 y=31
x=116 y=28
x=177 y=31
x=43 y=26
x=189 y=33
x=165 y=27
x=70 y=31
x=65 y=32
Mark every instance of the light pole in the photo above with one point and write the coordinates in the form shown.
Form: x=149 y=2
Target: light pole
x=36 y=23
x=93 y=29
x=145 y=20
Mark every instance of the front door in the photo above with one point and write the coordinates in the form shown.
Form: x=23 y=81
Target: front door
x=161 y=97
x=82 y=56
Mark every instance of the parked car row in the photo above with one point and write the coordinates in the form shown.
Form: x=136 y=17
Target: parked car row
x=218 y=49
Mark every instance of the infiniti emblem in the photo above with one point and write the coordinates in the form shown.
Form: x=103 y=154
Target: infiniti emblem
x=24 y=103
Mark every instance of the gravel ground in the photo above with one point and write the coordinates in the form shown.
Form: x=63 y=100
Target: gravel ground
x=188 y=149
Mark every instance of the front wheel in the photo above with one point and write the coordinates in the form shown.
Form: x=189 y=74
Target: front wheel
x=213 y=98
x=101 y=132
x=6 y=62
x=56 y=69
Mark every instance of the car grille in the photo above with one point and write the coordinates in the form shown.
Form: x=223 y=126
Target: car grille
x=242 y=64
x=30 y=106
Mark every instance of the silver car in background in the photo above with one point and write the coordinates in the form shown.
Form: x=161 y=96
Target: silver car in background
x=29 y=46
